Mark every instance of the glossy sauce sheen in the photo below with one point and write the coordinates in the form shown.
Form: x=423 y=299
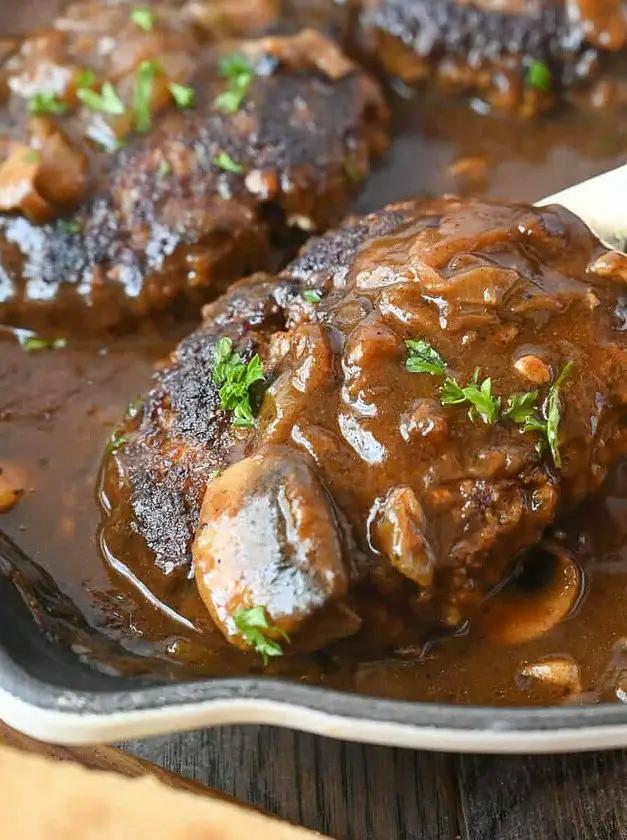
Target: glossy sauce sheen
x=57 y=410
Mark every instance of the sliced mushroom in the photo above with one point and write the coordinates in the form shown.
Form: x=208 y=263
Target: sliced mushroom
x=399 y=532
x=18 y=192
x=231 y=17
x=40 y=180
x=533 y=369
x=559 y=672
x=12 y=486
x=519 y=613
x=312 y=358
x=611 y=265
x=470 y=170
x=268 y=537
x=61 y=179
x=306 y=49
x=425 y=420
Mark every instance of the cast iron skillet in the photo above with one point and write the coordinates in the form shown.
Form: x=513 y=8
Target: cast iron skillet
x=48 y=692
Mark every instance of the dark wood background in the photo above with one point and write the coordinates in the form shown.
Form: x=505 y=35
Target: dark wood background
x=355 y=792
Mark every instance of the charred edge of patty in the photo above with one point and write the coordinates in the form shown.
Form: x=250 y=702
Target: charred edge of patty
x=128 y=252
x=474 y=48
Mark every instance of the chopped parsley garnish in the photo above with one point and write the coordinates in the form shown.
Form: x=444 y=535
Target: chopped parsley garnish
x=549 y=428
x=254 y=626
x=351 y=170
x=31 y=157
x=229 y=101
x=85 y=79
x=146 y=73
x=34 y=344
x=143 y=17
x=521 y=407
x=554 y=414
x=238 y=71
x=183 y=95
x=535 y=424
x=165 y=168
x=116 y=441
x=226 y=162
x=311 y=296
x=477 y=394
x=234 y=379
x=46 y=103
x=234 y=65
x=70 y=225
x=106 y=102
x=214 y=474
x=539 y=76
x=423 y=358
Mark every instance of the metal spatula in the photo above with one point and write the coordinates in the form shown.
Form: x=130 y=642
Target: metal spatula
x=602 y=204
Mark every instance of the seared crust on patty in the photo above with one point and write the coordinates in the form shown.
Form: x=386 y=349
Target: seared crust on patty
x=205 y=196
x=489 y=49
x=152 y=486
x=427 y=495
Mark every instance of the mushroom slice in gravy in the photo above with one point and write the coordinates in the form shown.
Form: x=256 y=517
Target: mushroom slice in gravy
x=377 y=439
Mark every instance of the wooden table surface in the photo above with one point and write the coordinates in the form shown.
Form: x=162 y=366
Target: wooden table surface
x=355 y=792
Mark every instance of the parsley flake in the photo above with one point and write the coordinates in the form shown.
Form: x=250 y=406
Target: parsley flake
x=423 y=358
x=146 y=73
x=549 y=428
x=238 y=71
x=46 y=103
x=143 y=18
x=521 y=407
x=234 y=379
x=452 y=393
x=233 y=65
x=535 y=424
x=165 y=167
x=479 y=395
x=116 y=441
x=554 y=414
x=351 y=170
x=35 y=344
x=226 y=162
x=107 y=101
x=70 y=225
x=254 y=626
x=85 y=78
x=311 y=296
x=183 y=95
x=539 y=76
x=31 y=157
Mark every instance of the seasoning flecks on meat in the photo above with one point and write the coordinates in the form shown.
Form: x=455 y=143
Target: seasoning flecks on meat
x=520 y=57
x=399 y=447
x=184 y=164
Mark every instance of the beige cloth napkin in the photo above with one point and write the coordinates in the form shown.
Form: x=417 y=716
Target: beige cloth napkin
x=43 y=799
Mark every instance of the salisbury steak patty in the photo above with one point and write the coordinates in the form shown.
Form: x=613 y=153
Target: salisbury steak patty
x=515 y=55
x=224 y=150
x=439 y=380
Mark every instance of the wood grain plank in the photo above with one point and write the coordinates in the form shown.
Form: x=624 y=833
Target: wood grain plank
x=349 y=791
x=570 y=797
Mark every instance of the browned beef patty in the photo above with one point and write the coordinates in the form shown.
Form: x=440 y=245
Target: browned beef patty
x=517 y=56
x=211 y=175
x=414 y=472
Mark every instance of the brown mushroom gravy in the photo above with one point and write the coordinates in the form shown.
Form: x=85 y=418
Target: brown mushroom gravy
x=553 y=631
